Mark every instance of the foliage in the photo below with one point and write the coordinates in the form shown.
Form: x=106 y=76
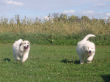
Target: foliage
x=59 y=29
x=58 y=24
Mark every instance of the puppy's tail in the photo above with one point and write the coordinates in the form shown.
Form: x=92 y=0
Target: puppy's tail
x=88 y=36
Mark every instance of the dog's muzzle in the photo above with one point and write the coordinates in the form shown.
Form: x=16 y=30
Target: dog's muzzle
x=26 y=47
x=89 y=52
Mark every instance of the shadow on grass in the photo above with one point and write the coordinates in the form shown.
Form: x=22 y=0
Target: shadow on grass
x=7 y=59
x=106 y=78
x=76 y=62
x=70 y=61
x=67 y=61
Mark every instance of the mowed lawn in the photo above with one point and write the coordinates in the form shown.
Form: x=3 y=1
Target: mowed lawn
x=54 y=63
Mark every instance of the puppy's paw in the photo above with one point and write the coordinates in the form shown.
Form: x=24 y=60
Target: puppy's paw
x=81 y=62
x=89 y=61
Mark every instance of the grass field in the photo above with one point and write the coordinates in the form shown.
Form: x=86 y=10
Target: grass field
x=53 y=63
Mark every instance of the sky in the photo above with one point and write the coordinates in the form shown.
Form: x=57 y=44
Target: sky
x=42 y=8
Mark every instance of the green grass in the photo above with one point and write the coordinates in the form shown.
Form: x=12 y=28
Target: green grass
x=53 y=63
x=55 y=39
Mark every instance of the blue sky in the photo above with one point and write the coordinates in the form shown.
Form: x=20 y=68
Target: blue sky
x=42 y=8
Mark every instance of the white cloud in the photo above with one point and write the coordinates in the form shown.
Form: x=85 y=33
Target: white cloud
x=12 y=2
x=108 y=14
x=89 y=12
x=69 y=11
x=101 y=4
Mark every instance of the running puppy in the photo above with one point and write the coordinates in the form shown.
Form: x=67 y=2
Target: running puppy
x=86 y=49
x=21 y=50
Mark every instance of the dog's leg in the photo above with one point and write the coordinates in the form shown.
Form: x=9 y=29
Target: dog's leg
x=25 y=57
x=18 y=58
x=81 y=57
x=90 y=58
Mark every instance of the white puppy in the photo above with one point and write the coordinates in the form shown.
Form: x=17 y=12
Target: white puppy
x=86 y=49
x=21 y=50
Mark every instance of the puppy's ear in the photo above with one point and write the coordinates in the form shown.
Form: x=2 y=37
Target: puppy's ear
x=29 y=42
x=20 y=44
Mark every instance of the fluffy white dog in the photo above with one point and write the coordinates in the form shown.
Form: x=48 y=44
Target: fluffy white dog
x=86 y=49
x=21 y=50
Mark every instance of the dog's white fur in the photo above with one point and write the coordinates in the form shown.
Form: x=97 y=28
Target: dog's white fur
x=86 y=49
x=21 y=50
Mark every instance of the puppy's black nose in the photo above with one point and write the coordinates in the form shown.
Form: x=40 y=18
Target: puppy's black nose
x=89 y=51
x=26 y=47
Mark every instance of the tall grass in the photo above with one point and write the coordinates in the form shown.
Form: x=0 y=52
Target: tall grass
x=59 y=24
x=61 y=29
